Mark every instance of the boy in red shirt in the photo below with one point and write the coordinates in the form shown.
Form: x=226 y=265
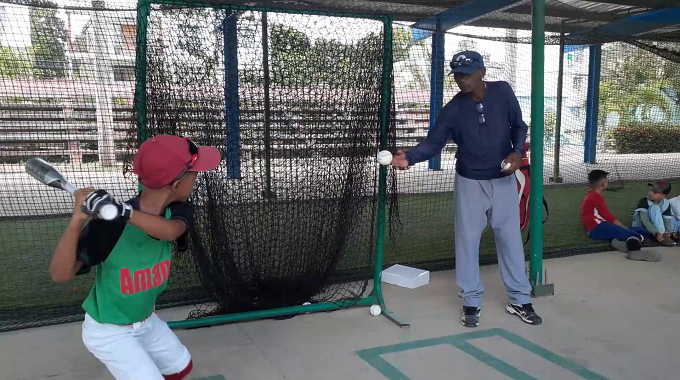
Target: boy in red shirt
x=600 y=224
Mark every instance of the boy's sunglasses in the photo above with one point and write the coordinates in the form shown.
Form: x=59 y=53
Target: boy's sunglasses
x=193 y=149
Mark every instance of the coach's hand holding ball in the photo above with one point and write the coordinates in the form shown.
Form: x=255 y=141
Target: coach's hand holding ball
x=399 y=161
x=511 y=163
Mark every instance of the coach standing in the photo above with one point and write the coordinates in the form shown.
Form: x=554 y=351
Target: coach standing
x=485 y=121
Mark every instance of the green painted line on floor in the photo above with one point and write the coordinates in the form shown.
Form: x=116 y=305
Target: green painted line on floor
x=218 y=377
x=388 y=370
x=550 y=356
x=461 y=341
x=493 y=362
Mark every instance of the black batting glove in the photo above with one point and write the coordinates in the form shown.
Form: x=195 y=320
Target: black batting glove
x=100 y=204
x=124 y=210
x=94 y=202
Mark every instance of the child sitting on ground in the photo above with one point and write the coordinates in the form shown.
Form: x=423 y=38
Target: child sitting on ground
x=653 y=214
x=600 y=224
x=675 y=212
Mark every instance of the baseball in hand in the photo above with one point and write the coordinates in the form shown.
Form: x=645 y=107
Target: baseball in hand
x=505 y=165
x=384 y=157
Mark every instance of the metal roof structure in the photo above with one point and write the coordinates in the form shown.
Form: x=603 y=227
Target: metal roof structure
x=570 y=16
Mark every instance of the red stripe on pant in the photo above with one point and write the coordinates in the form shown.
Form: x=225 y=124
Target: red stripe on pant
x=180 y=375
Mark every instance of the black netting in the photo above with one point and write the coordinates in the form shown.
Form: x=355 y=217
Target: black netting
x=292 y=209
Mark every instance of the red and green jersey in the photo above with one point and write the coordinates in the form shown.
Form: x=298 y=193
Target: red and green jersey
x=132 y=267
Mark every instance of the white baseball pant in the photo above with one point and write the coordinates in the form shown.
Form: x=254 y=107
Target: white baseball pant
x=146 y=350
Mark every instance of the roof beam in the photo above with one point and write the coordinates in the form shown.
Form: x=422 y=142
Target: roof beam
x=551 y=11
x=444 y=4
x=571 y=14
x=320 y=7
x=635 y=25
x=490 y=23
x=464 y=14
x=637 y=3
x=673 y=36
x=419 y=34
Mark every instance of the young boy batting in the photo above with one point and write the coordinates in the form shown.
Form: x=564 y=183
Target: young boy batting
x=132 y=256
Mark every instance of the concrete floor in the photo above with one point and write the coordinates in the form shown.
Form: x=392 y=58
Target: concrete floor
x=610 y=319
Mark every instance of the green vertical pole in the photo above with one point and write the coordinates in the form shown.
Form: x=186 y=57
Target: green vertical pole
x=537 y=120
x=140 y=88
x=385 y=104
x=385 y=110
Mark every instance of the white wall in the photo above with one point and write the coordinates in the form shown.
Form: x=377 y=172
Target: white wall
x=15 y=26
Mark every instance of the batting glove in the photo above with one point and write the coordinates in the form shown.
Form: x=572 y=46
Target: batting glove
x=96 y=200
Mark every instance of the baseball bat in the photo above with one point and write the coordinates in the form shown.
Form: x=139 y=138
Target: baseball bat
x=50 y=176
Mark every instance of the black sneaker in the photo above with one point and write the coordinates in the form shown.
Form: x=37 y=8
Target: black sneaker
x=525 y=312
x=633 y=244
x=470 y=317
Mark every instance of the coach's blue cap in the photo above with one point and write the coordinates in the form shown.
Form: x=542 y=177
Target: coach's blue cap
x=466 y=62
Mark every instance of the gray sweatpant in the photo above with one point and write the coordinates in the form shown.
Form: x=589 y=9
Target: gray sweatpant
x=494 y=202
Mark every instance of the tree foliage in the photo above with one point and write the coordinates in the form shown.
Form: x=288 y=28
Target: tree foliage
x=416 y=59
x=14 y=64
x=402 y=42
x=297 y=61
x=631 y=85
x=48 y=39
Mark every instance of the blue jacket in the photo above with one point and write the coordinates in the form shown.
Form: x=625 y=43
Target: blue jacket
x=481 y=147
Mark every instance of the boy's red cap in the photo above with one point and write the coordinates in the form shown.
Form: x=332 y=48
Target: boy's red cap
x=161 y=159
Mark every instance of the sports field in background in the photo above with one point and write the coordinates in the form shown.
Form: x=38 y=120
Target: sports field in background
x=426 y=239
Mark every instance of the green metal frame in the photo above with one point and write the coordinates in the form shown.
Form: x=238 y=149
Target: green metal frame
x=385 y=104
x=375 y=297
x=537 y=137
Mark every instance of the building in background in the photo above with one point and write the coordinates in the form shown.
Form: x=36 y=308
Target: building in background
x=115 y=33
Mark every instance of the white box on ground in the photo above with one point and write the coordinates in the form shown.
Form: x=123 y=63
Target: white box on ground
x=405 y=277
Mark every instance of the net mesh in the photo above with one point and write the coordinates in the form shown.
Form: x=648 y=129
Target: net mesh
x=292 y=208
x=290 y=215
x=633 y=133
x=60 y=102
